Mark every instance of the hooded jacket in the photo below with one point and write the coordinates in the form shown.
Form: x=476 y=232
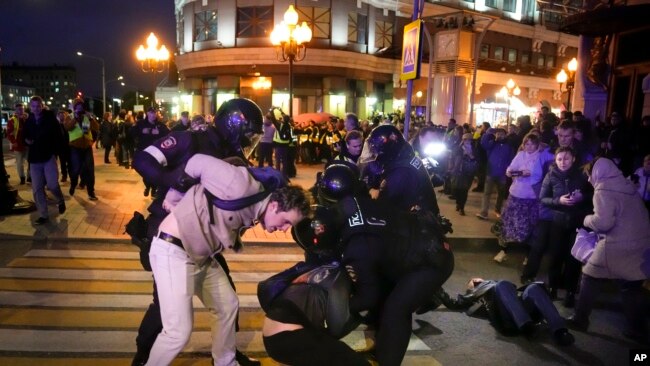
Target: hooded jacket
x=621 y=220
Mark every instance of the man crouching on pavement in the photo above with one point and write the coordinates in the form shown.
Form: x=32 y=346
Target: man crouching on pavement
x=195 y=230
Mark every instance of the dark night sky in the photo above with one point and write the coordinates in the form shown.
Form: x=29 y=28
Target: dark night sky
x=45 y=32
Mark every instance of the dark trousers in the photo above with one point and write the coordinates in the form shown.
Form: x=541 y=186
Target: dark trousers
x=107 y=152
x=291 y=161
x=82 y=164
x=538 y=244
x=64 y=161
x=533 y=306
x=310 y=347
x=412 y=291
x=265 y=154
x=281 y=158
x=564 y=270
x=632 y=301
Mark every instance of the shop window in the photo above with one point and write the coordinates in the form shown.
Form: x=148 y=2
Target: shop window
x=512 y=56
x=485 y=51
x=205 y=26
x=498 y=53
x=319 y=19
x=550 y=62
x=383 y=34
x=510 y=5
x=357 y=27
x=254 y=21
x=525 y=58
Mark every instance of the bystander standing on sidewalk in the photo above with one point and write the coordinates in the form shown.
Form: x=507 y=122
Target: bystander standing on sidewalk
x=15 y=132
x=82 y=131
x=44 y=138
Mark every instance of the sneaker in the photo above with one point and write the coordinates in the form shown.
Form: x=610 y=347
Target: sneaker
x=500 y=257
x=569 y=299
x=244 y=360
x=92 y=197
x=61 y=207
x=41 y=221
x=71 y=190
x=563 y=338
x=462 y=212
x=481 y=216
x=576 y=323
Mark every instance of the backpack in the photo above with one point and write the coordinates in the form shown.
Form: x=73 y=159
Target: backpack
x=271 y=179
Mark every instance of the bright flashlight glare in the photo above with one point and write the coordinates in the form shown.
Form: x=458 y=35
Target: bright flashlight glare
x=434 y=149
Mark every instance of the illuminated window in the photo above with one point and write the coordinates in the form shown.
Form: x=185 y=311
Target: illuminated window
x=254 y=21
x=525 y=58
x=485 y=51
x=550 y=62
x=498 y=53
x=383 y=34
x=205 y=26
x=540 y=60
x=319 y=19
x=512 y=55
x=357 y=24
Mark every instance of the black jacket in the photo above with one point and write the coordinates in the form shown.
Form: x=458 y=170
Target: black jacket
x=45 y=136
x=556 y=184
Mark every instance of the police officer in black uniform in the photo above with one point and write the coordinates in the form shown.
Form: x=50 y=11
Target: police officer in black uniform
x=163 y=164
x=397 y=259
x=394 y=169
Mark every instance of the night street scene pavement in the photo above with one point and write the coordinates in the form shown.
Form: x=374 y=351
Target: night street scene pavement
x=73 y=292
x=524 y=124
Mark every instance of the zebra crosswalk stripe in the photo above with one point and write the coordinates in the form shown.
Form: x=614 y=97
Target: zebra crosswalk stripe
x=58 y=302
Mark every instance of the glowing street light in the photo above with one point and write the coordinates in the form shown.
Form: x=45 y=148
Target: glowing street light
x=290 y=40
x=568 y=78
x=153 y=59
x=511 y=89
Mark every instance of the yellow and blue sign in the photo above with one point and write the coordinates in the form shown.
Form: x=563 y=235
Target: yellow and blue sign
x=411 y=49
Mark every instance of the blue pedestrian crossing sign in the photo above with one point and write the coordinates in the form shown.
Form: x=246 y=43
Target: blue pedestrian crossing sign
x=411 y=49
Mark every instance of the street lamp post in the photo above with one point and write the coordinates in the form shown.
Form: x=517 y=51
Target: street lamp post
x=153 y=59
x=568 y=78
x=511 y=89
x=290 y=40
x=103 y=77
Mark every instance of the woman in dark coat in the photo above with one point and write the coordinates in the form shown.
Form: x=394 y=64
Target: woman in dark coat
x=107 y=135
x=566 y=192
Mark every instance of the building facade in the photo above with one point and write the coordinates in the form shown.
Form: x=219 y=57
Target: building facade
x=353 y=60
x=57 y=85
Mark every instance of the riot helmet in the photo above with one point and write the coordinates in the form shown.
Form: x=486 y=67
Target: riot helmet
x=237 y=118
x=385 y=142
x=339 y=180
x=319 y=235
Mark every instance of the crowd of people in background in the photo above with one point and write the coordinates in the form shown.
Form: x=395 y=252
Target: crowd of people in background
x=535 y=165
